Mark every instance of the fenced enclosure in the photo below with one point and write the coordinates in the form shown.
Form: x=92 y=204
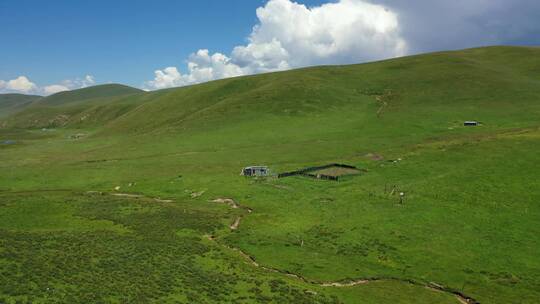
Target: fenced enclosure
x=328 y=172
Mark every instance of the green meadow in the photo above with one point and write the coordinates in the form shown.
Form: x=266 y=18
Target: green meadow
x=114 y=195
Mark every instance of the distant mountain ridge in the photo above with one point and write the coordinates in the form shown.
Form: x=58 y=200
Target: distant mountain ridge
x=12 y=103
x=99 y=91
x=62 y=108
x=462 y=84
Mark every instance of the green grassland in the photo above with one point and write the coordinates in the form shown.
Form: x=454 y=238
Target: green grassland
x=468 y=221
x=13 y=103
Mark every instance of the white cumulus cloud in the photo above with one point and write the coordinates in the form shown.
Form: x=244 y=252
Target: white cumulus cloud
x=166 y=78
x=341 y=32
x=262 y=56
x=54 y=88
x=20 y=84
x=69 y=84
x=201 y=67
x=23 y=85
x=290 y=35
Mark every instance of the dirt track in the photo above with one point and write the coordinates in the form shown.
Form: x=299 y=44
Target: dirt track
x=462 y=298
x=236 y=223
x=159 y=200
x=338 y=284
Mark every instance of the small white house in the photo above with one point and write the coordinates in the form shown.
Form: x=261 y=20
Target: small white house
x=255 y=171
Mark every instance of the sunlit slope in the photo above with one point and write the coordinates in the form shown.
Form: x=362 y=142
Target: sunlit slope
x=12 y=103
x=86 y=107
x=468 y=220
x=99 y=91
x=492 y=85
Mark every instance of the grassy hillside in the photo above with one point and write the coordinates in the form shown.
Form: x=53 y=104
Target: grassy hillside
x=99 y=91
x=416 y=90
x=12 y=103
x=86 y=107
x=139 y=209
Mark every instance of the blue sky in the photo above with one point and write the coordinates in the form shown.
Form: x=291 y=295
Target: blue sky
x=118 y=41
x=60 y=42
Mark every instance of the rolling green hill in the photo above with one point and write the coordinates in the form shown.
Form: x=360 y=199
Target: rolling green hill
x=422 y=89
x=99 y=91
x=418 y=89
x=137 y=197
x=12 y=103
x=83 y=107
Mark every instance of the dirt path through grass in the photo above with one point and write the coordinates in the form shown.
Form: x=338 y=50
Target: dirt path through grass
x=233 y=204
x=157 y=199
x=236 y=223
x=251 y=260
x=462 y=298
